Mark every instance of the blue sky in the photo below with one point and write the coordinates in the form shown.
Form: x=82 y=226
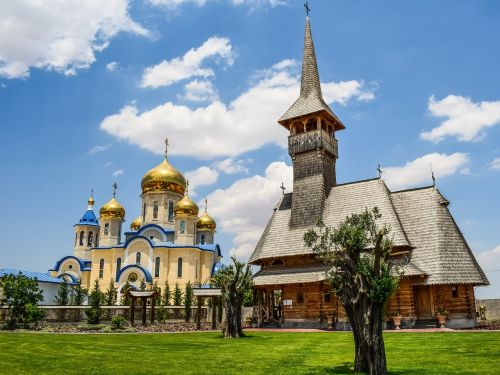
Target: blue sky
x=88 y=92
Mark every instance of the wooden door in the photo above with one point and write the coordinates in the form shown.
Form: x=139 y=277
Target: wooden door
x=423 y=302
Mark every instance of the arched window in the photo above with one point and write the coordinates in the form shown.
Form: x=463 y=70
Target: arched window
x=144 y=213
x=170 y=211
x=90 y=238
x=106 y=229
x=157 y=267
x=155 y=210
x=182 y=227
x=81 y=237
x=179 y=267
x=138 y=257
x=101 y=268
x=76 y=238
x=97 y=239
x=202 y=239
x=118 y=265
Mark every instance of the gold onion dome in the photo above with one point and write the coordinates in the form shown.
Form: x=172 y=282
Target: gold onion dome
x=186 y=206
x=206 y=222
x=136 y=224
x=112 y=209
x=163 y=177
x=91 y=201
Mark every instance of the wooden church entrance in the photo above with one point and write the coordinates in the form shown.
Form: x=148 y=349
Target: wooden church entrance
x=423 y=307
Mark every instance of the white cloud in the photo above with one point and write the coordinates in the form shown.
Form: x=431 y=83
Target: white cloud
x=466 y=120
x=202 y=176
x=495 y=163
x=190 y=65
x=200 y=91
x=220 y=130
x=245 y=207
x=233 y=166
x=490 y=259
x=112 y=66
x=254 y=4
x=418 y=171
x=118 y=172
x=259 y=3
x=63 y=36
x=341 y=92
x=173 y=4
x=96 y=149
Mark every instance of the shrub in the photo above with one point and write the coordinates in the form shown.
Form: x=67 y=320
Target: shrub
x=118 y=322
x=94 y=313
x=188 y=301
x=35 y=314
x=161 y=314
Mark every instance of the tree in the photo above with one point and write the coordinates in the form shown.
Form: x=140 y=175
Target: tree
x=234 y=282
x=35 y=314
x=357 y=252
x=125 y=298
x=177 y=299
x=188 y=301
x=166 y=295
x=111 y=294
x=79 y=295
x=143 y=285
x=157 y=289
x=94 y=313
x=62 y=296
x=17 y=292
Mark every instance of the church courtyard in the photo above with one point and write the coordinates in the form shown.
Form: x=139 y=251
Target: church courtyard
x=258 y=353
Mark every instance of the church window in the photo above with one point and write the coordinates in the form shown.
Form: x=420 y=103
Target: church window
x=327 y=297
x=118 y=265
x=144 y=213
x=157 y=267
x=81 y=238
x=300 y=297
x=76 y=238
x=90 y=238
x=155 y=210
x=101 y=268
x=202 y=239
x=170 y=211
x=138 y=258
x=132 y=277
x=97 y=239
x=179 y=267
x=106 y=229
x=182 y=227
x=454 y=291
x=70 y=266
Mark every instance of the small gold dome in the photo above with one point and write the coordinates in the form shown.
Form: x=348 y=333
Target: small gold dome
x=206 y=222
x=112 y=209
x=186 y=206
x=136 y=224
x=163 y=177
x=91 y=201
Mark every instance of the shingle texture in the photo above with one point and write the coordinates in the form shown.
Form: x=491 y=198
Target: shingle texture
x=290 y=275
x=419 y=220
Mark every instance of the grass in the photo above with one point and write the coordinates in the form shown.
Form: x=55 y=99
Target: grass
x=259 y=353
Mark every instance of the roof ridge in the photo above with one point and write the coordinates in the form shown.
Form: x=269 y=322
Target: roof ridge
x=413 y=189
x=359 y=181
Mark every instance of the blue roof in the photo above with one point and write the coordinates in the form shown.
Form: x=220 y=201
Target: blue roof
x=41 y=277
x=89 y=218
x=146 y=273
x=84 y=264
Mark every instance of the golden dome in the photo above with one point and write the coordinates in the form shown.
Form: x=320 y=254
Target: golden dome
x=136 y=224
x=186 y=206
x=163 y=177
x=112 y=209
x=206 y=222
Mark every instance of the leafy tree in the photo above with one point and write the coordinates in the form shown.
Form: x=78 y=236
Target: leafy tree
x=234 y=281
x=96 y=297
x=166 y=295
x=125 y=298
x=177 y=299
x=111 y=294
x=188 y=301
x=248 y=298
x=357 y=252
x=35 y=314
x=62 y=296
x=17 y=292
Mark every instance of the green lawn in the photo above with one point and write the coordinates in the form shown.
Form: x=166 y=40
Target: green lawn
x=259 y=353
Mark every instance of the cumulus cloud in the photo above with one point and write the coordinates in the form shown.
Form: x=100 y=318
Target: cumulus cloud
x=341 y=92
x=233 y=165
x=112 y=66
x=202 y=176
x=466 y=120
x=199 y=91
x=253 y=4
x=173 y=4
x=97 y=149
x=189 y=65
x=418 y=171
x=63 y=36
x=490 y=259
x=245 y=207
x=495 y=164
x=220 y=130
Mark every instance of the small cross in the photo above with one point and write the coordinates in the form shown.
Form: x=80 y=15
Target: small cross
x=115 y=186
x=187 y=187
x=166 y=147
x=432 y=176
x=379 y=170
x=283 y=188
x=91 y=193
x=206 y=204
x=308 y=10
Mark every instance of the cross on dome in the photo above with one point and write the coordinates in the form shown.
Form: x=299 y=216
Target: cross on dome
x=166 y=147
x=115 y=186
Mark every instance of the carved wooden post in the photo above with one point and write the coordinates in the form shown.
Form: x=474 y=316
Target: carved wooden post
x=132 y=308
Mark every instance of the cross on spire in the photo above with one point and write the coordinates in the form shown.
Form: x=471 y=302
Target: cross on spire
x=379 y=170
x=166 y=147
x=187 y=187
x=432 y=176
x=115 y=186
x=308 y=10
x=283 y=188
x=206 y=204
